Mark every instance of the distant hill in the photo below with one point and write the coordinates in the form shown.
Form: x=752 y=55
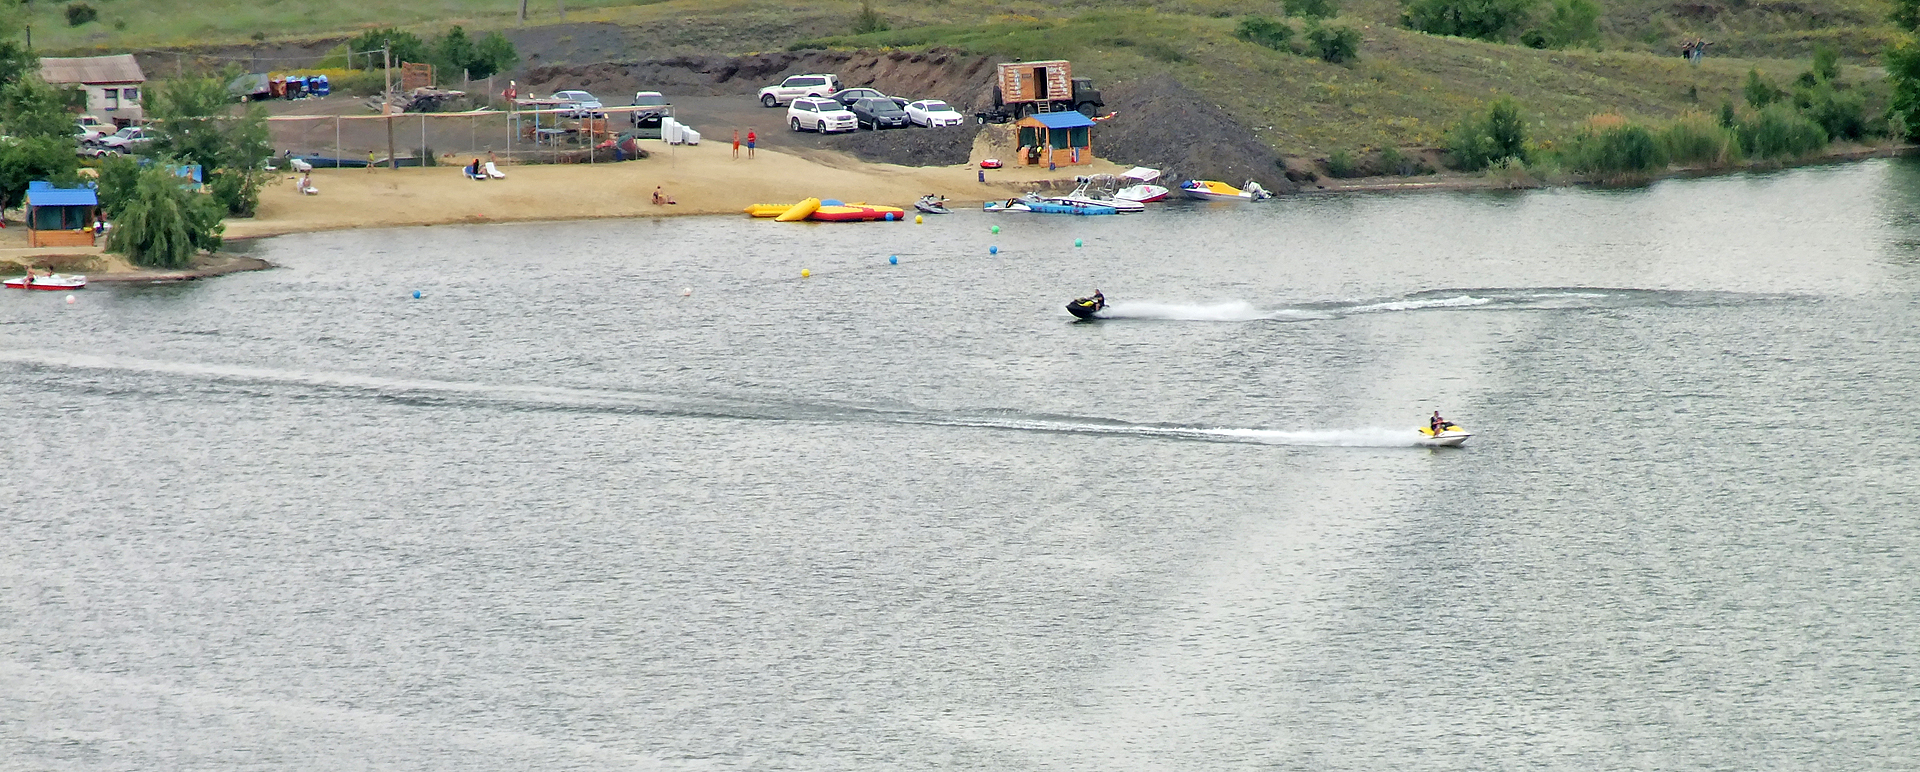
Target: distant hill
x=1405 y=89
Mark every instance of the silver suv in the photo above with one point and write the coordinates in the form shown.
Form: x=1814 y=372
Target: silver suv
x=815 y=85
x=820 y=114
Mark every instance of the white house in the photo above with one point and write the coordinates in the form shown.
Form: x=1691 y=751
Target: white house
x=112 y=84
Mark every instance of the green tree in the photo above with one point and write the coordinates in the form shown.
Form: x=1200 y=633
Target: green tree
x=39 y=158
x=16 y=61
x=1484 y=19
x=1262 y=31
x=117 y=176
x=31 y=108
x=493 y=55
x=452 y=53
x=1826 y=63
x=1312 y=9
x=1334 y=43
x=195 y=121
x=1905 y=15
x=160 y=223
x=1903 y=100
x=407 y=47
x=1572 y=23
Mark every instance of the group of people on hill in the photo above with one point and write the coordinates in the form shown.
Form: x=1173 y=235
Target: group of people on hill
x=1693 y=49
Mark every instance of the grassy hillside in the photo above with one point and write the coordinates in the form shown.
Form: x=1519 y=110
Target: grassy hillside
x=1405 y=89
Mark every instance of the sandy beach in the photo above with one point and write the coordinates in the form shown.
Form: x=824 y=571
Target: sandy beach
x=703 y=179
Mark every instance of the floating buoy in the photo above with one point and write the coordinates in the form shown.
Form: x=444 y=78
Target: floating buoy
x=993 y=250
x=994 y=229
x=416 y=294
x=686 y=292
x=893 y=259
x=804 y=273
x=889 y=217
x=69 y=300
x=1078 y=243
x=917 y=219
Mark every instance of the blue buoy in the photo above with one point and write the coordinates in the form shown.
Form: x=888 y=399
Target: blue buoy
x=993 y=250
x=893 y=259
x=416 y=294
x=889 y=217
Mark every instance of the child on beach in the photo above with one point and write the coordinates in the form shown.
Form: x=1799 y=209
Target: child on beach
x=750 y=138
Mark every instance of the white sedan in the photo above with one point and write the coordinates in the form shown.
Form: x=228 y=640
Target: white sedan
x=933 y=112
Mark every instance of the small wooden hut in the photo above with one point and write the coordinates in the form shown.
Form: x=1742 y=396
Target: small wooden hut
x=60 y=217
x=1059 y=139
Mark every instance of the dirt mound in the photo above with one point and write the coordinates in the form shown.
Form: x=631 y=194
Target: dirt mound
x=908 y=147
x=1165 y=125
x=958 y=78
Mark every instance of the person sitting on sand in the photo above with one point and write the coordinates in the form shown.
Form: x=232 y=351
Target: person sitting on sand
x=660 y=196
x=473 y=170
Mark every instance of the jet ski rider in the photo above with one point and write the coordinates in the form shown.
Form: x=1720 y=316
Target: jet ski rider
x=1100 y=302
x=1437 y=424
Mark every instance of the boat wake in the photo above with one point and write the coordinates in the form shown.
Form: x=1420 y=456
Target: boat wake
x=515 y=397
x=1500 y=299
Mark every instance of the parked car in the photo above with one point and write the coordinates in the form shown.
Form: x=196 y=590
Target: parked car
x=647 y=120
x=879 y=113
x=88 y=128
x=125 y=140
x=814 y=85
x=820 y=114
x=933 y=112
x=579 y=104
x=847 y=96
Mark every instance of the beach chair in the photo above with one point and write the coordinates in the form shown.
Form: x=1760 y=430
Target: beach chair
x=495 y=172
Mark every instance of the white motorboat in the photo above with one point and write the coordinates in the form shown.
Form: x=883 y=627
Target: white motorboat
x=1096 y=190
x=1211 y=190
x=1141 y=193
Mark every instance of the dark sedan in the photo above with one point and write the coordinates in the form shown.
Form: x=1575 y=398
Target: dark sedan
x=879 y=113
x=847 y=96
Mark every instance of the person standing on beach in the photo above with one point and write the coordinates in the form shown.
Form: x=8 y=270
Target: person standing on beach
x=369 y=160
x=750 y=139
x=736 y=144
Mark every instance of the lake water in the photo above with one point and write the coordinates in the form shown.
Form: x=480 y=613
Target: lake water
x=555 y=515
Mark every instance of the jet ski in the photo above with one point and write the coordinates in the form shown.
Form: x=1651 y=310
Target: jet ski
x=1449 y=436
x=932 y=204
x=1085 y=308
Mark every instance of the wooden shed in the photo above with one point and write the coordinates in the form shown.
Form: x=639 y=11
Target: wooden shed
x=1057 y=139
x=60 y=217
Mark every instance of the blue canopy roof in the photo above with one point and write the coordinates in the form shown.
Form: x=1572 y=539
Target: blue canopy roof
x=43 y=193
x=1065 y=120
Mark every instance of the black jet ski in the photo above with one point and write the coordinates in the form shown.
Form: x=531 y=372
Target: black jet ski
x=1085 y=308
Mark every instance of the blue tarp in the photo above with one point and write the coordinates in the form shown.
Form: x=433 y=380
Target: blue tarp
x=43 y=193
x=1066 y=120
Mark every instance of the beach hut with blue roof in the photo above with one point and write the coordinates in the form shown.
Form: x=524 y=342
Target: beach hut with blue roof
x=1056 y=139
x=60 y=217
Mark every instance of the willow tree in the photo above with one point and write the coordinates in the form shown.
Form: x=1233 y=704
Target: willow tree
x=161 y=223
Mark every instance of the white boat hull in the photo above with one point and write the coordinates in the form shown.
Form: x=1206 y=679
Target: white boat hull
x=1142 y=193
x=1448 y=438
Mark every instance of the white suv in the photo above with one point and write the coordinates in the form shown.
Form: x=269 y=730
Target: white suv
x=798 y=86
x=820 y=114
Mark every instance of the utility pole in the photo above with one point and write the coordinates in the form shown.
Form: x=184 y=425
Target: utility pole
x=523 y=12
x=386 y=103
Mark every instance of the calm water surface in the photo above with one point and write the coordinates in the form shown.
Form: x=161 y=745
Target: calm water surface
x=553 y=515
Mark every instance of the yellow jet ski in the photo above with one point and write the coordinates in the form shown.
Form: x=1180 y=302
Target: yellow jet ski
x=1449 y=436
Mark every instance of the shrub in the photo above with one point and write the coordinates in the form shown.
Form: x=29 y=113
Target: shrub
x=1728 y=118
x=1479 y=142
x=1483 y=19
x=1759 y=91
x=1571 y=23
x=1334 y=43
x=1903 y=99
x=407 y=47
x=1312 y=9
x=1698 y=139
x=1340 y=164
x=1779 y=132
x=1263 y=31
x=1826 y=63
x=1612 y=147
x=335 y=58
x=80 y=13
x=868 y=21
x=1841 y=114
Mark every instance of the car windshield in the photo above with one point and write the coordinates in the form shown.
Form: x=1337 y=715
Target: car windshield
x=933 y=107
x=649 y=100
